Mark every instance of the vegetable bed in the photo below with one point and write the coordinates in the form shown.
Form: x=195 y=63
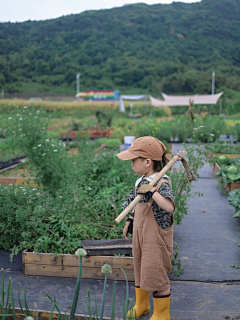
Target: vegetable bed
x=67 y=265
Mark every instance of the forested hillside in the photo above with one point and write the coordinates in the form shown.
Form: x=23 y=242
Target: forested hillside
x=136 y=48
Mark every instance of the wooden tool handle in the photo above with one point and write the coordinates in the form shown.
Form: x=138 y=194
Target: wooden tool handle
x=179 y=156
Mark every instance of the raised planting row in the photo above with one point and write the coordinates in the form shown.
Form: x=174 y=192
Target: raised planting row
x=227 y=169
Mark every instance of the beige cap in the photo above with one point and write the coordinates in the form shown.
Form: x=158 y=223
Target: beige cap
x=144 y=147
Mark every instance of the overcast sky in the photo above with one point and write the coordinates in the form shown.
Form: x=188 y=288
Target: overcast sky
x=22 y=10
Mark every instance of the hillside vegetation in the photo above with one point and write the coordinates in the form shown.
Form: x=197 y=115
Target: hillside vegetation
x=135 y=48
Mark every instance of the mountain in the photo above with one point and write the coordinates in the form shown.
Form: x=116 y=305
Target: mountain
x=135 y=48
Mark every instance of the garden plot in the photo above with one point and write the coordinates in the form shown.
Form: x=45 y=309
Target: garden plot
x=81 y=194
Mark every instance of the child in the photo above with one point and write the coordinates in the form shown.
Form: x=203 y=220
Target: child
x=151 y=223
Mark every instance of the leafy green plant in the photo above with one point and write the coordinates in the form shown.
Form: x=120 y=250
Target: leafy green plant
x=196 y=156
x=229 y=173
x=234 y=200
x=220 y=160
x=27 y=131
x=175 y=262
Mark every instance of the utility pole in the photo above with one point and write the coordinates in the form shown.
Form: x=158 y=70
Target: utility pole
x=213 y=82
x=78 y=84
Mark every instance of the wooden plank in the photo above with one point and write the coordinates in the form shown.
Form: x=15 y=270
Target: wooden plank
x=5 y=181
x=71 y=260
x=216 y=168
x=72 y=272
x=42 y=258
x=233 y=186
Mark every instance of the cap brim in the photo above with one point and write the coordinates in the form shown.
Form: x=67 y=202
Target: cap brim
x=126 y=155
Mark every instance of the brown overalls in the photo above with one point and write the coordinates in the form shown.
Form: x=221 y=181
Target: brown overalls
x=152 y=250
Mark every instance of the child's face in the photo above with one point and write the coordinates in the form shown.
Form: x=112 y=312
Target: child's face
x=139 y=166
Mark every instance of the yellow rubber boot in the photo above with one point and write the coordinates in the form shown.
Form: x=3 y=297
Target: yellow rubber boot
x=161 y=306
x=141 y=306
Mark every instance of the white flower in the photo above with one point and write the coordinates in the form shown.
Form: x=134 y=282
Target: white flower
x=39 y=145
x=211 y=134
x=201 y=127
x=9 y=118
x=38 y=111
x=55 y=150
x=106 y=268
x=53 y=145
x=25 y=107
x=36 y=117
x=18 y=115
x=20 y=187
x=43 y=154
x=20 y=129
x=20 y=119
x=194 y=128
x=60 y=197
x=80 y=253
x=47 y=140
x=33 y=189
x=34 y=147
x=30 y=114
x=12 y=132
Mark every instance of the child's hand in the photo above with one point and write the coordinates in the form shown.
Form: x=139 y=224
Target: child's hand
x=128 y=228
x=146 y=190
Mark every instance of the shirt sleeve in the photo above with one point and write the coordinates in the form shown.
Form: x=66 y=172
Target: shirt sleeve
x=130 y=198
x=166 y=191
